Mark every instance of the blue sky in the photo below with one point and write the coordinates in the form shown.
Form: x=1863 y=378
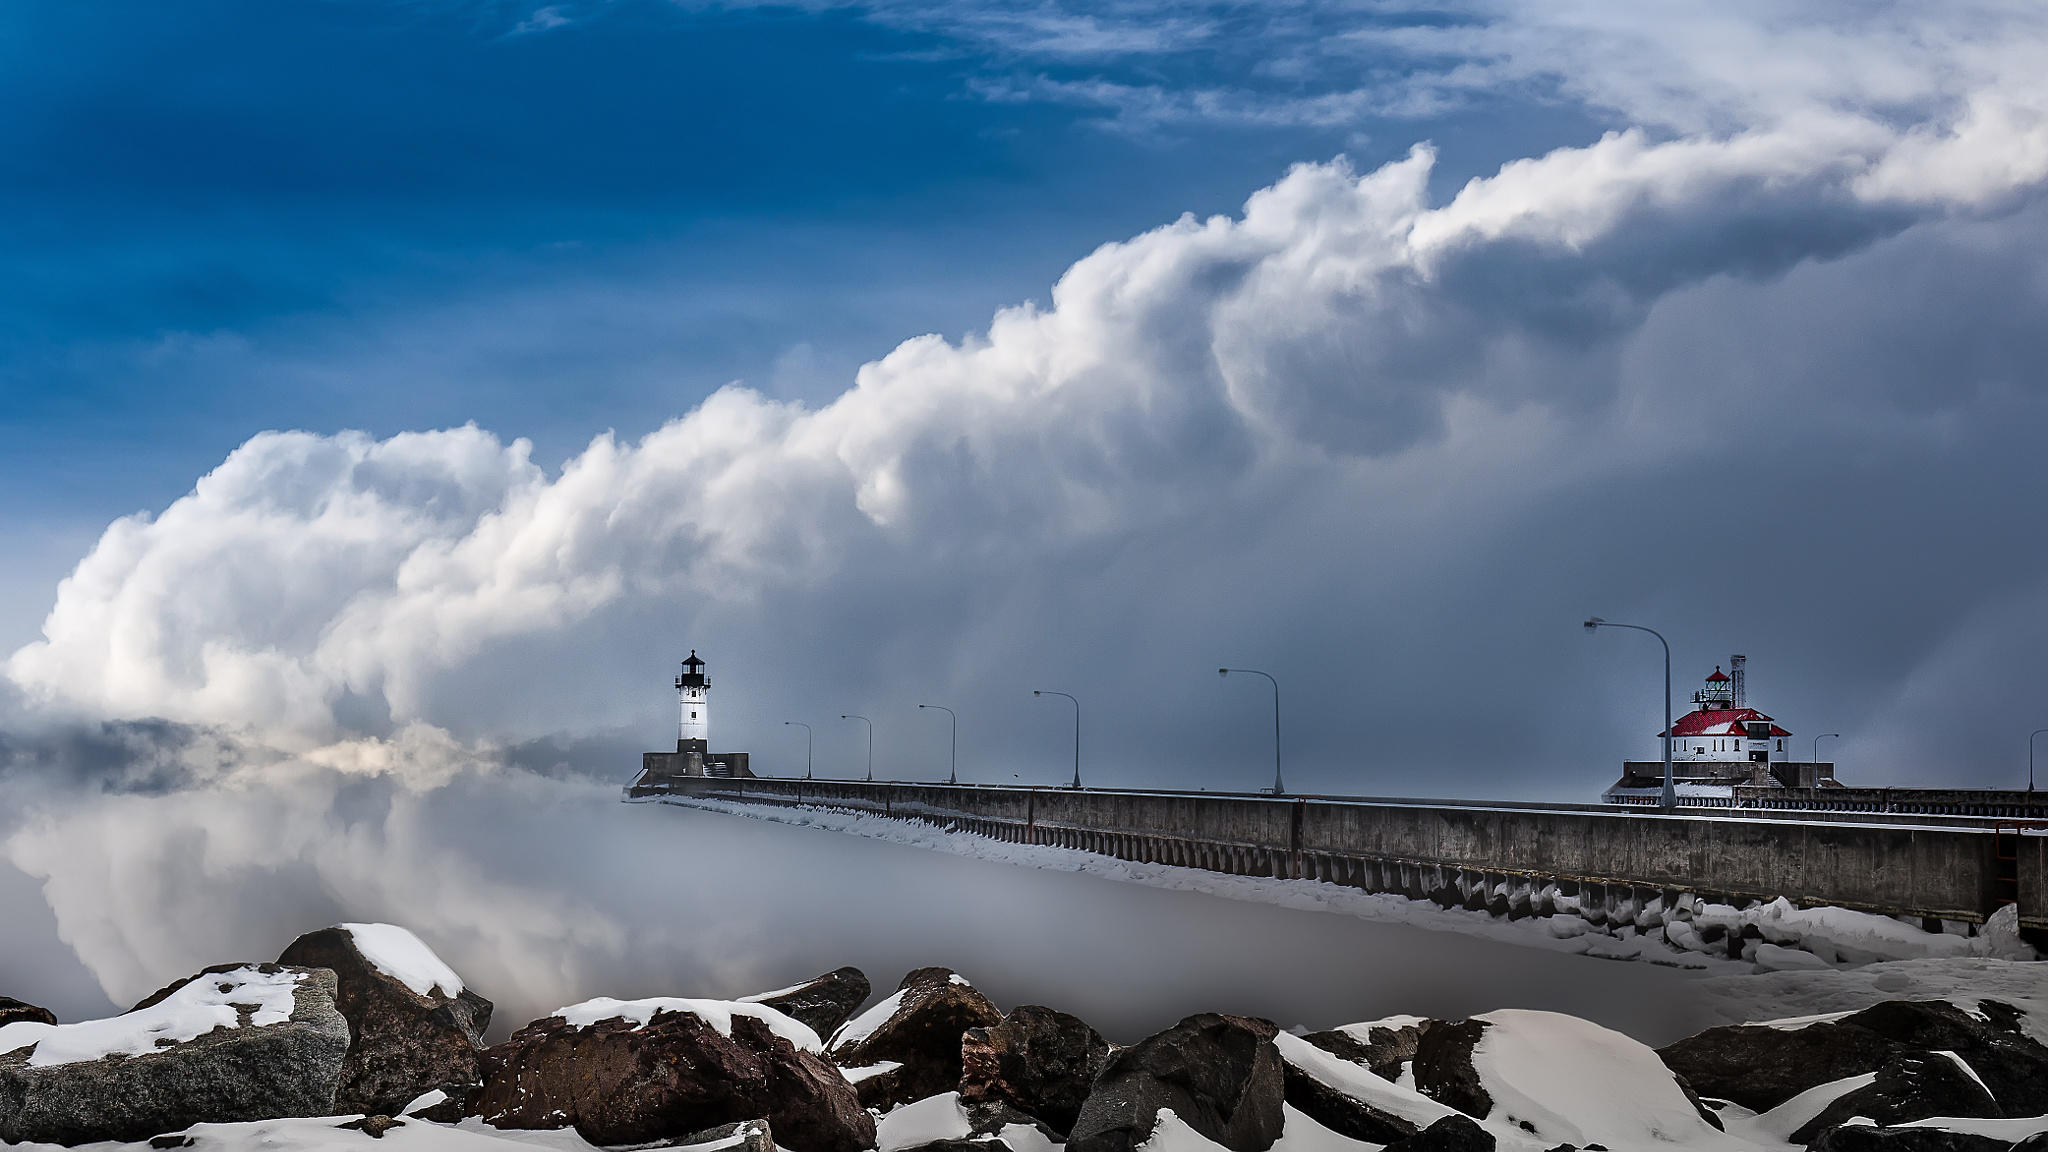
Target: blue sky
x=238 y=216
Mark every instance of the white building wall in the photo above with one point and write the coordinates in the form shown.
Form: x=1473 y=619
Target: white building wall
x=696 y=715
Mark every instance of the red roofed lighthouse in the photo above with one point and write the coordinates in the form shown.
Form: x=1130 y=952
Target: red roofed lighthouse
x=1720 y=746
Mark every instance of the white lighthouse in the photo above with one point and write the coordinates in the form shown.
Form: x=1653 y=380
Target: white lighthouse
x=694 y=728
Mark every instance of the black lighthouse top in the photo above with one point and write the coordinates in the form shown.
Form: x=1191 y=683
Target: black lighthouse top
x=693 y=673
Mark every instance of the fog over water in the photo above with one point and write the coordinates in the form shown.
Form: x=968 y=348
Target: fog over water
x=542 y=894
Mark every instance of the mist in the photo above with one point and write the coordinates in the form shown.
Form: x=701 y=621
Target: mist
x=546 y=892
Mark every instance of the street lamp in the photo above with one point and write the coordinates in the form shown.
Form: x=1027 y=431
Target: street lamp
x=2030 y=756
x=952 y=772
x=871 y=741
x=1278 y=790
x=1594 y=624
x=807 y=743
x=1816 y=743
x=1077 y=732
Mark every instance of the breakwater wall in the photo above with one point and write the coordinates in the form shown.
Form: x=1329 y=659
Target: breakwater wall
x=1510 y=859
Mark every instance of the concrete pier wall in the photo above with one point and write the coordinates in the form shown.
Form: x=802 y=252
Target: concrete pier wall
x=1508 y=853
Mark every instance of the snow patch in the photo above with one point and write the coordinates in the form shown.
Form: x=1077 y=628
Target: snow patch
x=1025 y=1138
x=215 y=1000
x=404 y=957
x=424 y=1101
x=1360 y=1084
x=931 y=1119
x=2015 y=1129
x=716 y=1013
x=1575 y=1082
x=863 y=1026
x=1773 y=958
x=1781 y=1122
x=862 y=1072
x=1797 y=999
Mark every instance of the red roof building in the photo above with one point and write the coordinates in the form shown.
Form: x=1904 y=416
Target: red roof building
x=1720 y=745
x=1721 y=727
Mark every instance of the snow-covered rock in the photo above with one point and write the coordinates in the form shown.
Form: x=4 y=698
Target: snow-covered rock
x=1562 y=1080
x=636 y=1071
x=823 y=1004
x=413 y=1026
x=919 y=1027
x=1761 y=1066
x=1913 y=1086
x=246 y=1043
x=1039 y=1061
x=1323 y=1085
x=948 y=1122
x=14 y=1011
x=1221 y=1075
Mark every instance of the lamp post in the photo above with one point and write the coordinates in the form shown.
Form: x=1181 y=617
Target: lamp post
x=1816 y=743
x=1594 y=624
x=871 y=741
x=953 y=771
x=1077 y=732
x=2030 y=756
x=807 y=743
x=1278 y=789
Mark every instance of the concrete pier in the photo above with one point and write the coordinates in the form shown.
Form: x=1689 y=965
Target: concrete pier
x=1511 y=858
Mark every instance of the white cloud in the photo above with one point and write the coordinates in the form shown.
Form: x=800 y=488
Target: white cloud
x=1343 y=330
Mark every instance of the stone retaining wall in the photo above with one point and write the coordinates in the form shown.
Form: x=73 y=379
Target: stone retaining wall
x=1510 y=858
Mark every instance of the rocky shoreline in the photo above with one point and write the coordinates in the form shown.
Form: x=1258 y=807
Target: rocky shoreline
x=360 y=1032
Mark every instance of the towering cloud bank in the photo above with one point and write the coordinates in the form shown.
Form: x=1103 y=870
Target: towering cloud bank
x=1342 y=334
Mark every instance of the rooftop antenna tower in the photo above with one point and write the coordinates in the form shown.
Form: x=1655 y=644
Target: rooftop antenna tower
x=1736 y=679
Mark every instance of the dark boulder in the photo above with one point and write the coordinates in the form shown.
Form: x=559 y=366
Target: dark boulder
x=823 y=1004
x=1448 y=1134
x=1383 y=1050
x=1864 y=1138
x=919 y=1027
x=1761 y=1067
x=1444 y=1071
x=1329 y=1077
x=1341 y=1112
x=877 y=1085
x=620 y=1081
x=2013 y=1066
x=14 y=1011
x=1913 y=1086
x=1221 y=1075
x=1037 y=1060
x=275 y=1049
x=404 y=1042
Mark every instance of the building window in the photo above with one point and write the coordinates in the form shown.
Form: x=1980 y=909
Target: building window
x=1781 y=745
x=693 y=715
